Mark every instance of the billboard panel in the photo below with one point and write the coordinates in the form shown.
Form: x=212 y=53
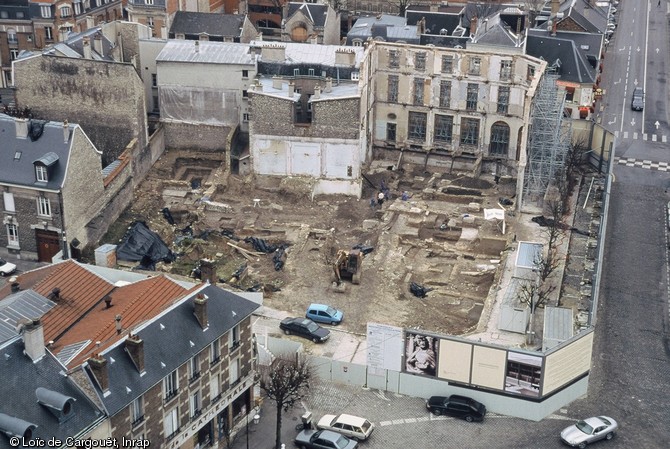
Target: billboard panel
x=488 y=367
x=420 y=354
x=454 y=361
x=567 y=364
x=385 y=346
x=524 y=374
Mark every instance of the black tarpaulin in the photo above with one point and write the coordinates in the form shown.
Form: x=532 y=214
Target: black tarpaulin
x=141 y=244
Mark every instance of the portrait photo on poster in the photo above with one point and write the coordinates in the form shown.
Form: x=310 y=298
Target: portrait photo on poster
x=420 y=354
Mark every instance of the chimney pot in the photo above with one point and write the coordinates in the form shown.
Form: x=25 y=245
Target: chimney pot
x=317 y=92
x=197 y=46
x=329 y=85
x=108 y=301
x=119 y=327
x=276 y=82
x=66 y=131
x=87 y=48
x=291 y=89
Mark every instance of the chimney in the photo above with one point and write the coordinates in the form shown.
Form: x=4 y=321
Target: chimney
x=135 y=349
x=90 y=23
x=55 y=294
x=259 y=37
x=108 y=301
x=33 y=338
x=87 y=48
x=473 y=25
x=98 y=365
x=291 y=89
x=97 y=44
x=345 y=56
x=421 y=26
x=317 y=93
x=554 y=25
x=164 y=32
x=197 y=46
x=555 y=6
x=314 y=39
x=276 y=82
x=21 y=128
x=66 y=132
x=258 y=87
x=329 y=85
x=200 y=309
x=119 y=327
x=207 y=268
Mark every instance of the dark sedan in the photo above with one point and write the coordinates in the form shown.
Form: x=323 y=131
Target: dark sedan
x=457 y=406
x=305 y=328
x=323 y=439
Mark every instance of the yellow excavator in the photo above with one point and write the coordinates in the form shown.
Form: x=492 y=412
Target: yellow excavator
x=348 y=265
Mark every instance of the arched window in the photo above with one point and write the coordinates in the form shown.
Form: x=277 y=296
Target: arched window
x=499 y=145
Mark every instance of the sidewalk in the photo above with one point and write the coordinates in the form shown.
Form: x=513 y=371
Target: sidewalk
x=262 y=435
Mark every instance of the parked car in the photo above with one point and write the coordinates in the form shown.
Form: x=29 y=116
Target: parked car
x=353 y=427
x=6 y=268
x=637 y=102
x=457 y=406
x=323 y=439
x=304 y=327
x=322 y=313
x=589 y=430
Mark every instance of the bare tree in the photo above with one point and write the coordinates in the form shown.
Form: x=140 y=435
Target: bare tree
x=286 y=382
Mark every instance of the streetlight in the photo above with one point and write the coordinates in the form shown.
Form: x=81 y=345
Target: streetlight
x=256 y=418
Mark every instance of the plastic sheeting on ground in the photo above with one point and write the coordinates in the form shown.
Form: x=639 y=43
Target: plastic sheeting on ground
x=141 y=244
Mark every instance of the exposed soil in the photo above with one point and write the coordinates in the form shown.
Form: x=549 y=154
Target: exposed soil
x=437 y=238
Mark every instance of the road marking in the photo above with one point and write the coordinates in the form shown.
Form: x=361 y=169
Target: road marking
x=625 y=135
x=644 y=164
x=653 y=137
x=635 y=136
x=664 y=138
x=644 y=136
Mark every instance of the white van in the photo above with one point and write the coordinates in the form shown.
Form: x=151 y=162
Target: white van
x=351 y=426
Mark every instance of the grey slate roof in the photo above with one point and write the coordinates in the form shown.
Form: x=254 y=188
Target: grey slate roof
x=213 y=24
x=24 y=304
x=591 y=17
x=20 y=380
x=494 y=31
x=315 y=12
x=590 y=45
x=207 y=52
x=386 y=27
x=21 y=171
x=573 y=65
x=167 y=341
x=436 y=22
x=73 y=46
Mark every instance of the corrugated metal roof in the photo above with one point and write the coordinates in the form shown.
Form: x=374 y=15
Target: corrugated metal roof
x=70 y=351
x=313 y=54
x=558 y=326
x=206 y=52
x=528 y=254
x=24 y=304
x=48 y=159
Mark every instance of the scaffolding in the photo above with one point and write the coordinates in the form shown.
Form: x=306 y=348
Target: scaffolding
x=549 y=140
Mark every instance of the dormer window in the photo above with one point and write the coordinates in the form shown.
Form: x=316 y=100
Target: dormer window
x=41 y=173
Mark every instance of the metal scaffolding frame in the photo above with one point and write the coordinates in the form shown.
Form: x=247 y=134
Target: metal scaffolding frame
x=549 y=139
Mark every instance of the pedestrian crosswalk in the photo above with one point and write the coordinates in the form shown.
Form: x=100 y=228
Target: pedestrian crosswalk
x=649 y=165
x=640 y=136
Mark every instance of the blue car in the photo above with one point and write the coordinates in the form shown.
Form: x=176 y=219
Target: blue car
x=322 y=313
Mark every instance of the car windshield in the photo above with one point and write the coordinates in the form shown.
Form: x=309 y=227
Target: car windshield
x=312 y=326
x=2 y=262
x=366 y=425
x=605 y=420
x=341 y=441
x=330 y=311
x=584 y=427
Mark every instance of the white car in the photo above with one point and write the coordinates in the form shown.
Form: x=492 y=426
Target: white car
x=6 y=268
x=351 y=426
x=589 y=430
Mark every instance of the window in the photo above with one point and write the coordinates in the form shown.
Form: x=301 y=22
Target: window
x=20 y=15
x=530 y=74
x=420 y=61
x=234 y=337
x=310 y=72
x=499 y=139
x=357 y=43
x=43 y=207
x=392 y=91
x=355 y=76
x=195 y=405
x=170 y=386
x=417 y=126
x=475 y=65
x=12 y=38
x=469 y=131
x=150 y=22
x=390 y=132
x=13 y=54
x=45 y=11
x=214 y=388
x=296 y=72
x=444 y=126
x=246 y=117
x=12 y=235
x=418 y=91
x=77 y=8
x=394 y=59
x=234 y=371
x=445 y=94
x=503 y=100
x=214 y=352
x=506 y=70
x=472 y=97
x=41 y=173
x=156 y=104
x=48 y=33
x=154 y=80
x=148 y=2
x=245 y=73
x=137 y=411
x=65 y=11
x=8 y=199
x=171 y=423
x=193 y=368
x=245 y=94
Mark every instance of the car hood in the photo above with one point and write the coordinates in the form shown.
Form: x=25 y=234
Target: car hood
x=304 y=436
x=338 y=315
x=322 y=332
x=7 y=267
x=573 y=435
x=325 y=421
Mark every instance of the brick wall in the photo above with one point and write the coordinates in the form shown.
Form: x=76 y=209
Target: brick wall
x=105 y=98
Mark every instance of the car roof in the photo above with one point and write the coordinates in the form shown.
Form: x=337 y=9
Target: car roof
x=318 y=306
x=595 y=421
x=638 y=90
x=351 y=420
x=303 y=321
x=330 y=435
